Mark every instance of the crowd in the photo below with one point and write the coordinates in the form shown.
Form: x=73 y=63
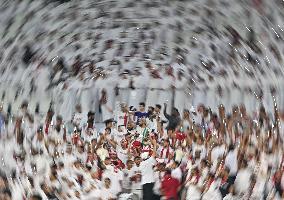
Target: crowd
x=195 y=154
x=189 y=93
x=177 y=52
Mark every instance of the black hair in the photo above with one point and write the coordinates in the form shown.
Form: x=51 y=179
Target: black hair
x=7 y=192
x=36 y=197
x=168 y=172
x=128 y=161
x=158 y=106
x=137 y=157
x=108 y=129
x=142 y=104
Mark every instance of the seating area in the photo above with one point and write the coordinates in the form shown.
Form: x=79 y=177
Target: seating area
x=161 y=99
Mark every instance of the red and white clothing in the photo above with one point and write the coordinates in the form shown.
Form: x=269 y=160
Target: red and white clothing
x=165 y=153
x=122 y=119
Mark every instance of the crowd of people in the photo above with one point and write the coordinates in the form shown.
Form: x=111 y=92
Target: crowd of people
x=182 y=53
x=141 y=100
x=195 y=154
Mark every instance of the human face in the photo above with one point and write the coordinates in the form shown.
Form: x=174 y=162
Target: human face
x=129 y=164
x=123 y=143
x=157 y=110
x=107 y=183
x=185 y=114
x=141 y=108
x=166 y=143
x=137 y=161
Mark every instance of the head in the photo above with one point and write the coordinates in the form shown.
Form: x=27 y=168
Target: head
x=175 y=112
x=235 y=111
x=166 y=143
x=137 y=160
x=107 y=183
x=131 y=125
x=78 y=108
x=142 y=122
x=185 y=113
x=81 y=148
x=69 y=149
x=124 y=143
x=24 y=106
x=108 y=123
x=142 y=107
x=59 y=120
x=200 y=109
x=175 y=164
x=222 y=111
x=129 y=164
x=123 y=107
x=35 y=197
x=107 y=161
x=40 y=135
x=168 y=172
x=150 y=110
x=113 y=155
x=158 y=108
x=107 y=131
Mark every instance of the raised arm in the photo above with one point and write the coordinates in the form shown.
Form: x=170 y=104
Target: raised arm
x=165 y=111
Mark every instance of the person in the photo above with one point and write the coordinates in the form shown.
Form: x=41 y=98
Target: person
x=147 y=172
x=106 y=191
x=170 y=186
x=141 y=113
x=35 y=197
x=166 y=152
x=180 y=96
x=173 y=119
x=136 y=186
x=126 y=183
x=28 y=55
x=176 y=171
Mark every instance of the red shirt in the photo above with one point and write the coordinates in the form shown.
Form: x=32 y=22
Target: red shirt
x=170 y=187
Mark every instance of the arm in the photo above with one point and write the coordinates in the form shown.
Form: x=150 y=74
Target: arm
x=154 y=143
x=112 y=142
x=165 y=111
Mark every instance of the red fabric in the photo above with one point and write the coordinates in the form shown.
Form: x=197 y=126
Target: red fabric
x=46 y=128
x=180 y=136
x=170 y=187
x=136 y=144
x=167 y=154
x=75 y=139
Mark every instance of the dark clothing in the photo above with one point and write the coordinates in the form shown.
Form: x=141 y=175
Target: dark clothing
x=225 y=185
x=27 y=57
x=140 y=115
x=174 y=121
x=148 y=193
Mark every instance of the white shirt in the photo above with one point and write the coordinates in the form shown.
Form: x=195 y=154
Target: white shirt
x=231 y=162
x=242 y=181
x=121 y=117
x=126 y=183
x=193 y=193
x=122 y=154
x=177 y=173
x=107 y=194
x=134 y=171
x=148 y=171
x=115 y=177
